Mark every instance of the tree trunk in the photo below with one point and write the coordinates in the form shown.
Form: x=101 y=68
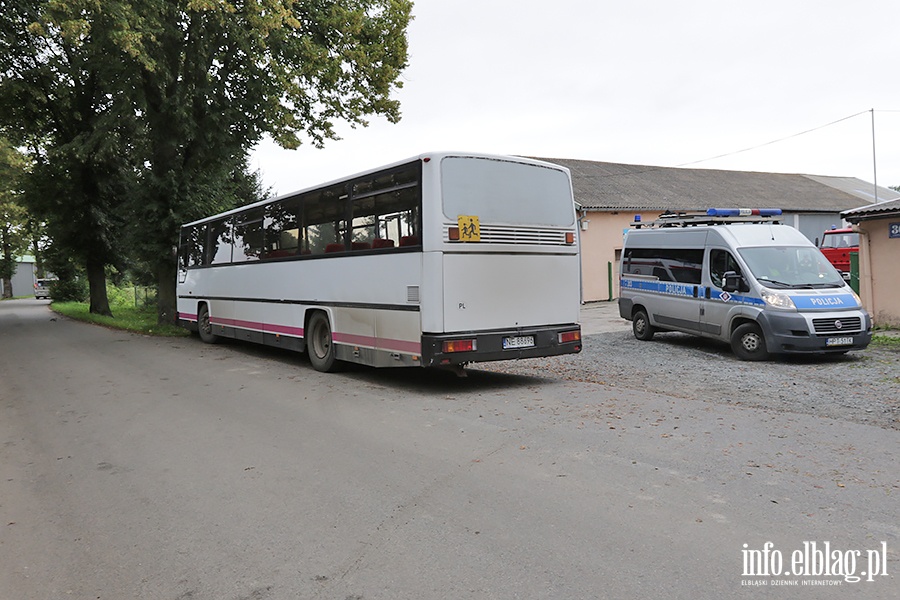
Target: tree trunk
x=166 y=301
x=7 y=265
x=96 y=272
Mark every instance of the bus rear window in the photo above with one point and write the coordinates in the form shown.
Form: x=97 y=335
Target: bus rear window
x=499 y=191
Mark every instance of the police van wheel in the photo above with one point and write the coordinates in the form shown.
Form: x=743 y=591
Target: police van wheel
x=748 y=343
x=640 y=324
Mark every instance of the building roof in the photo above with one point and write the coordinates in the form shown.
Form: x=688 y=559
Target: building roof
x=616 y=186
x=890 y=208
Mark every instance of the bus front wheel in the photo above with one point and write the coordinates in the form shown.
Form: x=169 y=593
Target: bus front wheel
x=320 y=345
x=204 y=327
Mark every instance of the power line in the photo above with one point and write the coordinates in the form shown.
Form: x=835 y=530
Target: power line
x=778 y=140
x=650 y=169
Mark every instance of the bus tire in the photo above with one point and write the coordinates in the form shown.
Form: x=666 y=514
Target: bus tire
x=204 y=327
x=748 y=343
x=640 y=325
x=319 y=344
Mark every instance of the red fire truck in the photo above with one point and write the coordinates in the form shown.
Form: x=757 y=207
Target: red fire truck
x=836 y=245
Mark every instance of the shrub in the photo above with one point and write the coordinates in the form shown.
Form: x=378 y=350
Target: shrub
x=69 y=290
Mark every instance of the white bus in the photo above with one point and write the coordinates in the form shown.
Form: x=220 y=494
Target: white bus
x=437 y=261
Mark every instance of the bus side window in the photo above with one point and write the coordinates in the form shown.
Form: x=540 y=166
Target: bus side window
x=218 y=245
x=191 y=247
x=385 y=209
x=321 y=214
x=282 y=232
x=248 y=236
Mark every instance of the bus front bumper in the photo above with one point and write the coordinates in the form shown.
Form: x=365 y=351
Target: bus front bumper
x=508 y=344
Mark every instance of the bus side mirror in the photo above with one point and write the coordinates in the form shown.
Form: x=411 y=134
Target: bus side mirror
x=734 y=282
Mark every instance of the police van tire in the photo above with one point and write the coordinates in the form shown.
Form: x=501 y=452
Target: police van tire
x=640 y=325
x=748 y=343
x=204 y=327
x=320 y=345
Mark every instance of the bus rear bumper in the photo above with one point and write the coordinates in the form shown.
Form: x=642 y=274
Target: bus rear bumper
x=508 y=344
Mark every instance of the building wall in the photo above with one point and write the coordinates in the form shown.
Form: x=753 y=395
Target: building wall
x=879 y=282
x=601 y=244
x=22 y=280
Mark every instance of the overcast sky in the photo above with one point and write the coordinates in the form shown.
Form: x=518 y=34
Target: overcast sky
x=648 y=82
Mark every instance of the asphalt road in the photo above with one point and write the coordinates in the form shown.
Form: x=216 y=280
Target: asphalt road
x=138 y=467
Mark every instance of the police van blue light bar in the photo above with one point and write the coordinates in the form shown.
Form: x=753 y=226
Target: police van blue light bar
x=743 y=212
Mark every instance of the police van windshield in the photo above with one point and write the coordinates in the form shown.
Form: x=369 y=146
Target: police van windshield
x=791 y=267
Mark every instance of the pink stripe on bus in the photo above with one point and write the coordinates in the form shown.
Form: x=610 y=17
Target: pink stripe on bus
x=376 y=342
x=340 y=338
x=255 y=325
x=285 y=329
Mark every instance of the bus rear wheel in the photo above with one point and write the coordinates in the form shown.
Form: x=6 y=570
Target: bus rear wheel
x=748 y=343
x=204 y=327
x=319 y=344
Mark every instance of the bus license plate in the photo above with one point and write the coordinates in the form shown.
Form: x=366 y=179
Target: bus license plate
x=522 y=341
x=839 y=341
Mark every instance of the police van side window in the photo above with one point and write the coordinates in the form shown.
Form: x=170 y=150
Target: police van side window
x=720 y=262
x=681 y=265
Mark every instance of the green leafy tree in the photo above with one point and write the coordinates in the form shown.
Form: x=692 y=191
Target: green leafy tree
x=216 y=76
x=63 y=94
x=159 y=102
x=13 y=216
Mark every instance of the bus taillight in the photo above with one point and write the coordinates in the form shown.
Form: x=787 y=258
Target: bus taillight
x=570 y=237
x=567 y=337
x=459 y=346
x=453 y=234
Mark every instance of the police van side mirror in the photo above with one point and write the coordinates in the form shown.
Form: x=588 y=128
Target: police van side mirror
x=734 y=282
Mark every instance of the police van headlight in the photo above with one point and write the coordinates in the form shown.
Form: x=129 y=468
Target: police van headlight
x=778 y=300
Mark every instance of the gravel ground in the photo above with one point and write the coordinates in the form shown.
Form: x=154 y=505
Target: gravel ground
x=863 y=387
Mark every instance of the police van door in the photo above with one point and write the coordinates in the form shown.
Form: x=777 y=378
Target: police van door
x=717 y=303
x=677 y=273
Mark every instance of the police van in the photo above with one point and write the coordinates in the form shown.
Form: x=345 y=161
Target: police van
x=740 y=276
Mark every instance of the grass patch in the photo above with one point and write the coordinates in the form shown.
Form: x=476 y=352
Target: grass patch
x=891 y=342
x=129 y=318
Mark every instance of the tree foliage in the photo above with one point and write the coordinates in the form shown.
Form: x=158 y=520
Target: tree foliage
x=146 y=110
x=216 y=76
x=14 y=231
x=62 y=97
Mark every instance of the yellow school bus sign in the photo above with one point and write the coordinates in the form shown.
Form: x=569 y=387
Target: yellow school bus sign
x=469 y=228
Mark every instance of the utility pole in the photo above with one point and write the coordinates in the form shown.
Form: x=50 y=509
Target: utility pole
x=874 y=162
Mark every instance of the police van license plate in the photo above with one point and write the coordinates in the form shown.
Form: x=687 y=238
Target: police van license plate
x=522 y=341
x=839 y=341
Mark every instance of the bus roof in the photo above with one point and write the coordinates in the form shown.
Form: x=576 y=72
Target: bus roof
x=427 y=156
